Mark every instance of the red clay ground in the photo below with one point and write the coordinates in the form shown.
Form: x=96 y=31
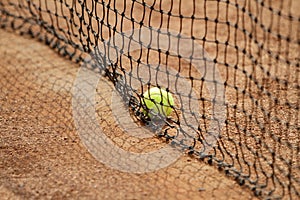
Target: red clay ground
x=42 y=156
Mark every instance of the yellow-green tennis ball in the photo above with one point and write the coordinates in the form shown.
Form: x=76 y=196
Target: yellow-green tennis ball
x=159 y=101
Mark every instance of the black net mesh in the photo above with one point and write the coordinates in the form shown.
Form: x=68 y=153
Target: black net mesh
x=232 y=67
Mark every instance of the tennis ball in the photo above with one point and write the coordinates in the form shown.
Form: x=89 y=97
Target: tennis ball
x=159 y=101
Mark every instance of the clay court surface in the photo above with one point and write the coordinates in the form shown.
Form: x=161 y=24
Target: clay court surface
x=43 y=157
